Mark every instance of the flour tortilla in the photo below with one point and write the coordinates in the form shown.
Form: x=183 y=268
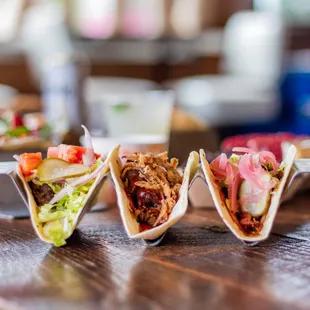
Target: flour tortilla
x=130 y=223
x=89 y=201
x=274 y=202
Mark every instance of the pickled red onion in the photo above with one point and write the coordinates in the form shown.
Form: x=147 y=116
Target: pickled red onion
x=264 y=156
x=223 y=161
x=230 y=180
x=217 y=171
x=233 y=180
x=250 y=170
x=234 y=189
x=268 y=157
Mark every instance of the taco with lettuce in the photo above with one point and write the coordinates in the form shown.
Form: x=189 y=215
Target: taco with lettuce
x=247 y=188
x=58 y=187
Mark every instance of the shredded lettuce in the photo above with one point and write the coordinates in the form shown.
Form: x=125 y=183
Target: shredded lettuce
x=54 y=230
x=57 y=219
x=55 y=187
x=66 y=208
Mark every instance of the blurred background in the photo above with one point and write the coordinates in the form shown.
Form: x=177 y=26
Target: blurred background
x=182 y=74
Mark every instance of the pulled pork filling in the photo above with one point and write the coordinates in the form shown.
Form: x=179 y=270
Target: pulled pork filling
x=246 y=183
x=152 y=184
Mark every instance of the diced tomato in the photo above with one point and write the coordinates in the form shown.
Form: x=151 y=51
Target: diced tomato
x=16 y=121
x=52 y=152
x=29 y=162
x=69 y=153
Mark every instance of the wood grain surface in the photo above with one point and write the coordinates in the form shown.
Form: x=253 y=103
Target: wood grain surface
x=196 y=267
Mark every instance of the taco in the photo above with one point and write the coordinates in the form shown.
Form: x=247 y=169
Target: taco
x=24 y=132
x=247 y=189
x=61 y=187
x=152 y=194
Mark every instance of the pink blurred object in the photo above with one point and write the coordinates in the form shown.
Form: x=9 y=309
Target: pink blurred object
x=99 y=29
x=143 y=19
x=95 y=19
x=261 y=142
x=34 y=121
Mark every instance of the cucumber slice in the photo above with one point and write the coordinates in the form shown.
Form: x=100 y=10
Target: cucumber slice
x=53 y=169
x=259 y=207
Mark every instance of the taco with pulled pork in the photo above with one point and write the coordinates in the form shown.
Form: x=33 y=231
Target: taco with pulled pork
x=152 y=192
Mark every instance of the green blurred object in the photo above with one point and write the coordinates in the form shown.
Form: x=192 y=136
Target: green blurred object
x=45 y=132
x=18 y=131
x=123 y=106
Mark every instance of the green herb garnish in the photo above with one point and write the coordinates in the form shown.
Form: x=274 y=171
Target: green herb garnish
x=120 y=107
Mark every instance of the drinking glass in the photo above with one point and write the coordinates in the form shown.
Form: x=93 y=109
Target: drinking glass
x=140 y=122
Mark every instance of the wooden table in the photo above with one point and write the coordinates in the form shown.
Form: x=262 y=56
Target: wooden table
x=194 y=268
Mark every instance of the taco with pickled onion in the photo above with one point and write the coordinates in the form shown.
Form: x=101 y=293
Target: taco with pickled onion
x=152 y=192
x=247 y=189
x=60 y=186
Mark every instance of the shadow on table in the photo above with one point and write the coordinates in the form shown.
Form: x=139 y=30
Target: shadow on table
x=77 y=274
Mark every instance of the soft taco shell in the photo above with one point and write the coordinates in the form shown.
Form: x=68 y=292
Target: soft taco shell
x=273 y=207
x=130 y=223
x=88 y=203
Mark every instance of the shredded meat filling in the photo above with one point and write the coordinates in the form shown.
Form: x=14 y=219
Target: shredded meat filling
x=42 y=193
x=249 y=223
x=152 y=184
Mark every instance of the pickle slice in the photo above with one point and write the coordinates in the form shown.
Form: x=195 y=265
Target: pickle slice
x=53 y=169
